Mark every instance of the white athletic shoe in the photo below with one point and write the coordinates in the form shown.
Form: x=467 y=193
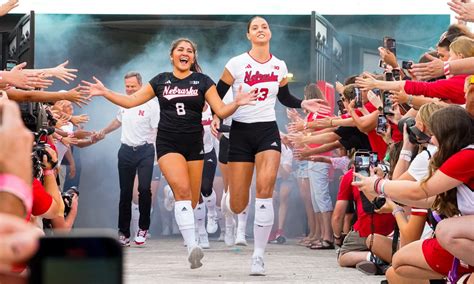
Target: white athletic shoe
x=257 y=268
x=212 y=225
x=204 y=241
x=221 y=236
x=240 y=239
x=229 y=237
x=169 y=198
x=140 y=238
x=194 y=257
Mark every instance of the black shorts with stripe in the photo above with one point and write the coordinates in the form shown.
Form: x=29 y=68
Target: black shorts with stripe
x=248 y=139
x=190 y=145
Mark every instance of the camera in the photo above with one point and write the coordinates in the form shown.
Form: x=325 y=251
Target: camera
x=414 y=134
x=374 y=159
x=407 y=64
x=390 y=44
x=381 y=124
x=357 y=97
x=36 y=116
x=39 y=150
x=382 y=64
x=67 y=199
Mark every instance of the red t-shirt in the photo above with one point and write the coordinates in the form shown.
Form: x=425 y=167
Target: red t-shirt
x=383 y=223
x=451 y=89
x=460 y=166
x=41 y=199
x=376 y=142
x=311 y=117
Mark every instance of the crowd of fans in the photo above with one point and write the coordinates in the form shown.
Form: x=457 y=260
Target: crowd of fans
x=404 y=145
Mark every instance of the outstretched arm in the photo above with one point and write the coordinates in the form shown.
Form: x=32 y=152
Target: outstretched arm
x=97 y=88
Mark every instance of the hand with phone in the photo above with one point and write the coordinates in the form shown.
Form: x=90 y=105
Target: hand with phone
x=388 y=57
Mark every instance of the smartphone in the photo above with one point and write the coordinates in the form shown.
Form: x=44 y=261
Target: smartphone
x=10 y=64
x=376 y=91
x=362 y=163
x=382 y=64
x=358 y=97
x=389 y=76
x=341 y=107
x=390 y=44
x=77 y=258
x=396 y=75
x=381 y=124
x=374 y=159
x=387 y=104
x=407 y=64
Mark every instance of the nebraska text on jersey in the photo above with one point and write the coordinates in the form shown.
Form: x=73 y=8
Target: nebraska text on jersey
x=171 y=93
x=256 y=78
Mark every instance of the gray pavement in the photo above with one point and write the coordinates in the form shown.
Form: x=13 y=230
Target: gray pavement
x=165 y=261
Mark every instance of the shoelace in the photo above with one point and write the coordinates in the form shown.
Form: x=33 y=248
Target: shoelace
x=142 y=233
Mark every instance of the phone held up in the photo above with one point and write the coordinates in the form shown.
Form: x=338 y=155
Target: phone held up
x=79 y=257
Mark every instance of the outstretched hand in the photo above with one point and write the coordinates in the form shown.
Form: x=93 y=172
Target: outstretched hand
x=63 y=73
x=76 y=96
x=93 y=89
x=249 y=98
x=429 y=70
x=316 y=106
x=464 y=11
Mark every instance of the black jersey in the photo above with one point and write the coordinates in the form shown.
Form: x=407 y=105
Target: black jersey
x=181 y=101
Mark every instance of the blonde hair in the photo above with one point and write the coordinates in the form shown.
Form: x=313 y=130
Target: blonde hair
x=427 y=110
x=463 y=46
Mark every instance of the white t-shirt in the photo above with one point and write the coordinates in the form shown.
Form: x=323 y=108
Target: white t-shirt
x=139 y=123
x=206 y=124
x=60 y=147
x=418 y=168
x=266 y=77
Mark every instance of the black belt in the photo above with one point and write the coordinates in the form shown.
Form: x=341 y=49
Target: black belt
x=136 y=148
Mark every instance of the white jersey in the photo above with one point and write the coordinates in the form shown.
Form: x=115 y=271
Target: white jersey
x=266 y=77
x=207 y=136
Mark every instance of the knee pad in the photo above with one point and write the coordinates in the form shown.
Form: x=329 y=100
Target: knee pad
x=183 y=212
x=264 y=215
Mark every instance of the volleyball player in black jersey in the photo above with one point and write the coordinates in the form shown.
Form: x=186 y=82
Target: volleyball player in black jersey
x=179 y=141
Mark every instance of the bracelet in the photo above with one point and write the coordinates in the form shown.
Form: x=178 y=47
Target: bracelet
x=330 y=122
x=16 y=186
x=376 y=185
x=405 y=157
x=406 y=152
x=48 y=172
x=382 y=188
x=446 y=68
x=410 y=100
x=398 y=209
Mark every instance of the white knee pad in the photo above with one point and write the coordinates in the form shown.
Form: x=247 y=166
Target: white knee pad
x=264 y=215
x=183 y=212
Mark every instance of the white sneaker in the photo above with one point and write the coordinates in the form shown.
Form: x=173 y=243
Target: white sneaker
x=229 y=237
x=140 y=238
x=221 y=236
x=169 y=198
x=212 y=225
x=204 y=241
x=195 y=256
x=240 y=239
x=124 y=241
x=257 y=268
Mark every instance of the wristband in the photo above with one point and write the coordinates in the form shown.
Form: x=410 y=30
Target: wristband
x=376 y=185
x=382 y=188
x=398 y=209
x=446 y=68
x=406 y=152
x=48 y=172
x=410 y=100
x=405 y=157
x=16 y=186
x=330 y=122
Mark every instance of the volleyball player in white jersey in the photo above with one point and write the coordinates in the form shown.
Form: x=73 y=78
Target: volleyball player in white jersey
x=254 y=136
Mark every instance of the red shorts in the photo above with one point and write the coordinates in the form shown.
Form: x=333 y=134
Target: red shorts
x=440 y=260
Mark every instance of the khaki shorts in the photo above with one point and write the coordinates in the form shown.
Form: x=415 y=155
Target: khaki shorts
x=353 y=242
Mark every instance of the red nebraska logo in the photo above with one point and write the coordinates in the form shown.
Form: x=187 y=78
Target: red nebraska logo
x=141 y=112
x=252 y=79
